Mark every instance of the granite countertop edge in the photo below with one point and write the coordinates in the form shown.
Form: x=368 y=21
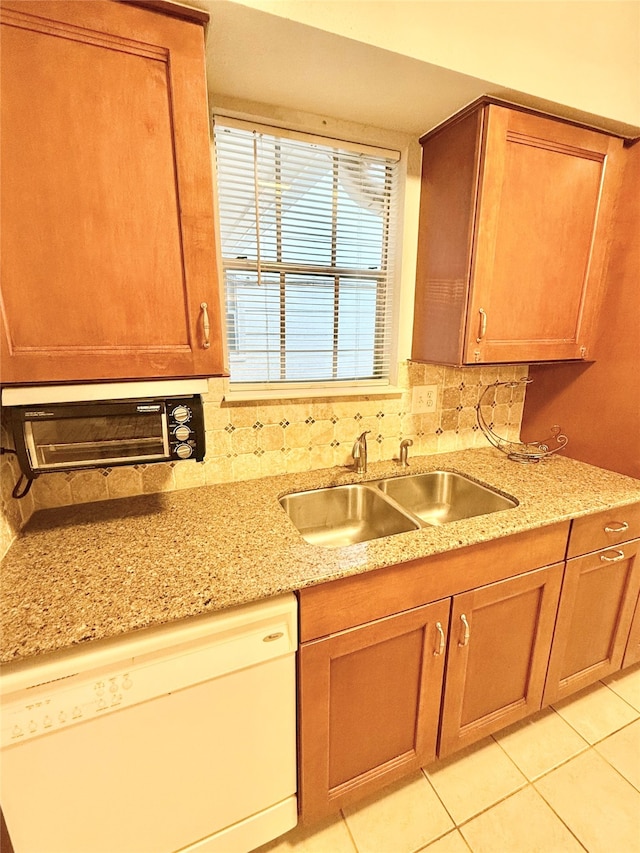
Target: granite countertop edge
x=96 y=571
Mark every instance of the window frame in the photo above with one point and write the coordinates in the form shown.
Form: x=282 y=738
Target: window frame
x=325 y=387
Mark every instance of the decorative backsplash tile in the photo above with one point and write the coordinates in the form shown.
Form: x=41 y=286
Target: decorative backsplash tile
x=248 y=440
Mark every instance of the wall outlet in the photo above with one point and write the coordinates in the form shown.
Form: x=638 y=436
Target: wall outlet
x=424 y=398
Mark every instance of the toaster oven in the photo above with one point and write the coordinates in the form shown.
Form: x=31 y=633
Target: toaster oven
x=98 y=434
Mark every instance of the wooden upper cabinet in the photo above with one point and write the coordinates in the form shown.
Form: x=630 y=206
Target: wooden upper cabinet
x=108 y=246
x=515 y=219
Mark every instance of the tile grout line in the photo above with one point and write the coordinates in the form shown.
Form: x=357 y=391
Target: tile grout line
x=348 y=828
x=630 y=704
x=587 y=746
x=604 y=737
x=606 y=760
x=535 y=790
x=562 y=821
x=440 y=800
x=460 y=826
x=637 y=712
x=457 y=825
x=440 y=837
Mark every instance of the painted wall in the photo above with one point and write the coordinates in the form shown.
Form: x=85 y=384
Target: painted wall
x=581 y=53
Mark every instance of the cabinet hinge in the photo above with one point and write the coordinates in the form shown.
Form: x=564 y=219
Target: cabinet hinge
x=583 y=352
x=476 y=355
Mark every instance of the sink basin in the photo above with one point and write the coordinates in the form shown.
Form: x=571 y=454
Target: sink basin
x=442 y=496
x=344 y=515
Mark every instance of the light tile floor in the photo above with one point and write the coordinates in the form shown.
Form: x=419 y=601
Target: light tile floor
x=567 y=779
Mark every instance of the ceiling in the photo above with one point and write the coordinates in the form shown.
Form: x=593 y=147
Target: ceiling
x=260 y=57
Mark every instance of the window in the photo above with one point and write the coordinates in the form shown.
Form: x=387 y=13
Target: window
x=307 y=238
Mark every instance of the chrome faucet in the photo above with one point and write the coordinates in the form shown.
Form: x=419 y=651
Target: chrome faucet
x=359 y=453
x=405 y=444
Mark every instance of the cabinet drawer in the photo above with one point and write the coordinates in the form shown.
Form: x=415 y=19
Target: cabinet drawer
x=594 y=532
x=345 y=603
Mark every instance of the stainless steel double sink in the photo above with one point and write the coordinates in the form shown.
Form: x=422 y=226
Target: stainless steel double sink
x=345 y=515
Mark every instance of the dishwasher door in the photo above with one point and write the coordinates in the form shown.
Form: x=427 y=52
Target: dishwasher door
x=177 y=739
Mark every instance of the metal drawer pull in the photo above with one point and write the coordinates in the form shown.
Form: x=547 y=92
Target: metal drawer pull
x=440 y=649
x=619 y=556
x=624 y=526
x=465 y=638
x=483 y=324
x=205 y=325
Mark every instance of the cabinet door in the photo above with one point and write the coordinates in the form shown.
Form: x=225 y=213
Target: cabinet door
x=632 y=651
x=369 y=706
x=541 y=238
x=499 y=644
x=599 y=594
x=107 y=250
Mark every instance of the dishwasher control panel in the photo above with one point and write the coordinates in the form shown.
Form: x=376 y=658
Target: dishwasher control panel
x=40 y=710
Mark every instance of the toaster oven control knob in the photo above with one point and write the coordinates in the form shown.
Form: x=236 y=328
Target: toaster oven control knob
x=183 y=451
x=182 y=433
x=181 y=414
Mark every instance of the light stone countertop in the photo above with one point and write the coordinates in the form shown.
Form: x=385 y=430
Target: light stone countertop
x=99 y=570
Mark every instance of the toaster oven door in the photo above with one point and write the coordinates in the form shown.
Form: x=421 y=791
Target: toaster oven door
x=84 y=437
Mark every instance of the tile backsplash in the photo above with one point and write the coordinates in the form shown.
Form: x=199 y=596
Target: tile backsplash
x=247 y=440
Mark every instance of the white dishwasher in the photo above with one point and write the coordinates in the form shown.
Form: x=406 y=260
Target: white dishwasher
x=178 y=738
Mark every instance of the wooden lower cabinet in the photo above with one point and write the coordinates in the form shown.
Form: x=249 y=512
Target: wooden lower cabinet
x=499 y=644
x=369 y=706
x=599 y=595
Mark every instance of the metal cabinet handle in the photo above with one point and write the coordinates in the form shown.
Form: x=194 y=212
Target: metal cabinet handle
x=620 y=529
x=465 y=637
x=619 y=556
x=440 y=649
x=483 y=324
x=205 y=325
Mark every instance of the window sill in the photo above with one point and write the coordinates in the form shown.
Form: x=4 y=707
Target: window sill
x=294 y=391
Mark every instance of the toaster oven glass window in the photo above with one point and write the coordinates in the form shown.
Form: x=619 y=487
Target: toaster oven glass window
x=117 y=438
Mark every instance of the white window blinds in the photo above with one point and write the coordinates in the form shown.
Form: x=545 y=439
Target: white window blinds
x=307 y=237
